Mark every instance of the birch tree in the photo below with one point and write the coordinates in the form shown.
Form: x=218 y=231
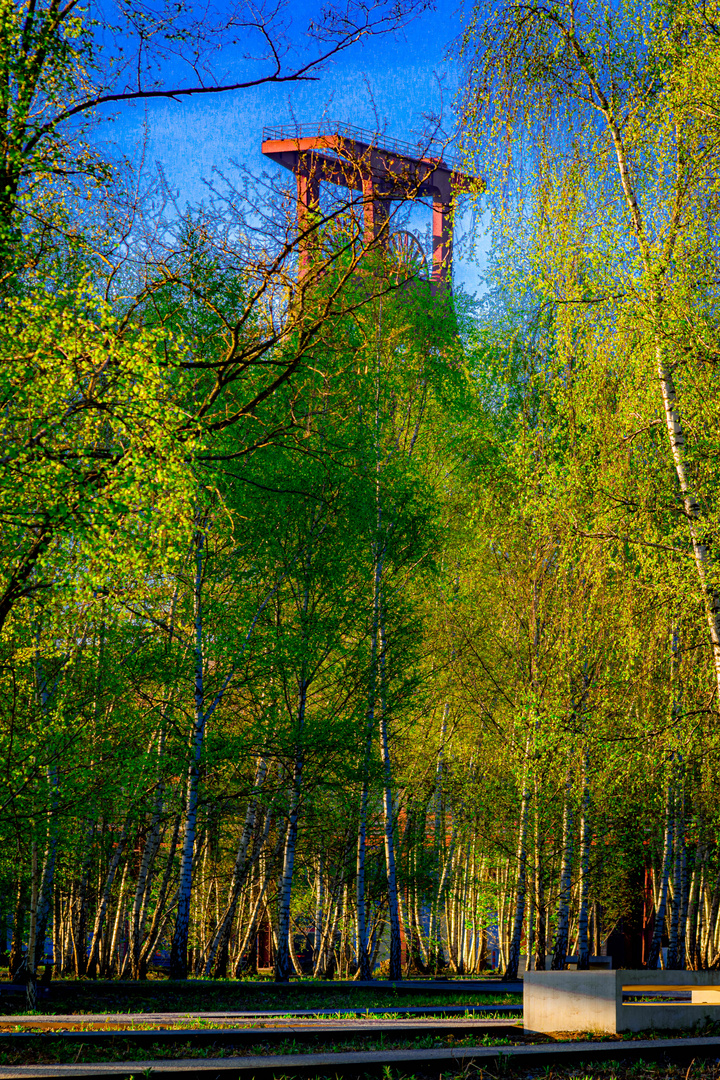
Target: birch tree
x=615 y=114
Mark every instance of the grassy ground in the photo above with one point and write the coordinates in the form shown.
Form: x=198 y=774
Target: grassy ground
x=198 y=997
x=123 y=1049
x=605 y=1070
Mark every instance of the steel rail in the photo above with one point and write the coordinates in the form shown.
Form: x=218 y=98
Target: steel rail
x=377 y=1062
x=227 y=1016
x=307 y=1033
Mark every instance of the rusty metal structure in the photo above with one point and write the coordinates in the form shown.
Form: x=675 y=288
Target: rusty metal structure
x=384 y=173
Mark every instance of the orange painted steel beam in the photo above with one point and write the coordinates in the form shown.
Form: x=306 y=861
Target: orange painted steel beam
x=383 y=174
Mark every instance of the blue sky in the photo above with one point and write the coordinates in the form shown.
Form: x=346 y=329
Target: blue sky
x=392 y=81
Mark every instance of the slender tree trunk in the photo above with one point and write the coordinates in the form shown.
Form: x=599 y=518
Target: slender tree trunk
x=530 y=945
x=282 y=955
x=684 y=900
x=363 y=945
x=156 y=925
x=48 y=871
x=424 y=955
x=179 y=954
x=511 y=970
x=57 y=931
x=145 y=876
x=583 y=941
x=694 y=515
x=675 y=960
x=102 y=907
x=655 y=944
x=692 y=506
x=45 y=694
x=388 y=828
x=240 y=870
x=708 y=957
x=541 y=941
x=560 y=945
x=325 y=964
x=31 y=983
x=441 y=863
x=319 y=908
x=252 y=923
x=696 y=891
x=109 y=962
x=79 y=930
x=342 y=962
x=16 y=947
x=363 y=951
x=437 y=955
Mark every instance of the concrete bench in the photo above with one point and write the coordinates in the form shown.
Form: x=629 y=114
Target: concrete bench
x=595 y=962
x=597 y=1000
x=571 y=961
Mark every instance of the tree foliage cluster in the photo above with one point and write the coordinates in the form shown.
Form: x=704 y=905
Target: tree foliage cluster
x=343 y=624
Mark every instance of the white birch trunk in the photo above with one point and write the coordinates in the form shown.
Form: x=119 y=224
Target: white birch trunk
x=202 y=713
x=363 y=945
x=159 y=916
x=539 y=876
x=513 y=959
x=45 y=694
x=434 y=948
x=388 y=828
x=47 y=879
x=144 y=881
x=117 y=922
x=675 y=961
x=319 y=908
x=583 y=938
x=363 y=953
x=655 y=271
x=694 y=912
x=240 y=870
x=712 y=922
x=102 y=907
x=31 y=964
x=560 y=945
x=654 y=954
x=253 y=918
x=282 y=954
x=179 y=954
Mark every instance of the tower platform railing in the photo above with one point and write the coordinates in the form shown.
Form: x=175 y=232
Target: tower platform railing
x=431 y=151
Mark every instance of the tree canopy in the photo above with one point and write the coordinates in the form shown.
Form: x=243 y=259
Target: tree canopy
x=347 y=624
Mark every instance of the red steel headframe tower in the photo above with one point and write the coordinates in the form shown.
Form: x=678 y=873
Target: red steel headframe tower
x=353 y=158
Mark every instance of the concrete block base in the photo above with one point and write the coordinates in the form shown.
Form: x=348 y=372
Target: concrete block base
x=571 y=961
x=593 y=1000
x=705 y=997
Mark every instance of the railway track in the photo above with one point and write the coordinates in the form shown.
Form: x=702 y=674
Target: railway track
x=268 y=1034
x=71 y=1020
x=420 y=1063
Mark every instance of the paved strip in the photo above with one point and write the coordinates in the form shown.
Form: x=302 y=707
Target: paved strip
x=258 y=1014
x=374 y=1063
x=249 y=1036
